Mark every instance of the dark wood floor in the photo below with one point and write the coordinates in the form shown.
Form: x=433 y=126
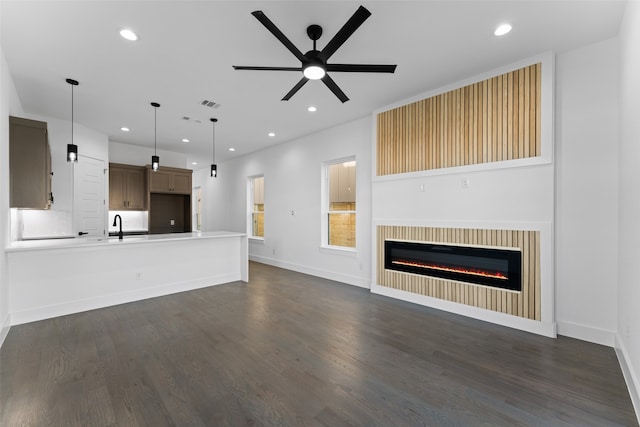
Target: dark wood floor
x=288 y=349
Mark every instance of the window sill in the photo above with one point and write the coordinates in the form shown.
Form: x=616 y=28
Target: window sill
x=257 y=240
x=342 y=250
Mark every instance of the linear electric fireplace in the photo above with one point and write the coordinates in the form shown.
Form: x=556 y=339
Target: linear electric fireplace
x=488 y=266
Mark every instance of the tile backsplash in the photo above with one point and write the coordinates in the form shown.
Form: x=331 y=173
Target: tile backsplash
x=131 y=220
x=40 y=224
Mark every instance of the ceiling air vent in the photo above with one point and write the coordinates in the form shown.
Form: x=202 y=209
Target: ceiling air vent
x=210 y=104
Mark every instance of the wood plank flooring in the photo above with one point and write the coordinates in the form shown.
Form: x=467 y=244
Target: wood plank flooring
x=289 y=349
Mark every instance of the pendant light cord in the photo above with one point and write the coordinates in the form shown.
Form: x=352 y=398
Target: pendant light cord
x=72 y=114
x=155 y=131
x=213 y=138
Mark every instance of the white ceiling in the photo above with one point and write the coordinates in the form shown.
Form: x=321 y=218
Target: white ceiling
x=186 y=50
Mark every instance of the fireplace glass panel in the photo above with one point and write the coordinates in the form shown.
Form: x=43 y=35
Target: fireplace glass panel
x=494 y=267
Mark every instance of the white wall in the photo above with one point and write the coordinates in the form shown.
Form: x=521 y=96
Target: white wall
x=292 y=173
x=140 y=156
x=628 y=339
x=9 y=105
x=586 y=192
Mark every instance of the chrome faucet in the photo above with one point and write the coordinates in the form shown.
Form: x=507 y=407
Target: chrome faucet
x=115 y=219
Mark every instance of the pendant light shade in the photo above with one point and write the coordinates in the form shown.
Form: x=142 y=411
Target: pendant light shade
x=72 y=153
x=72 y=149
x=155 y=160
x=214 y=167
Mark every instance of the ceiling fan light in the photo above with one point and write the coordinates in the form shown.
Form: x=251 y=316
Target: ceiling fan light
x=502 y=29
x=314 y=72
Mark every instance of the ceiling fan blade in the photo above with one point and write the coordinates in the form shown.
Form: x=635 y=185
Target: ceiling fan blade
x=248 y=67
x=361 y=68
x=260 y=16
x=333 y=87
x=345 y=32
x=296 y=88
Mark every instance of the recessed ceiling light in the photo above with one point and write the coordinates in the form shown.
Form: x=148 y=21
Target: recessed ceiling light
x=185 y=140
x=232 y=149
x=129 y=35
x=502 y=29
x=125 y=129
x=312 y=109
x=271 y=134
x=194 y=163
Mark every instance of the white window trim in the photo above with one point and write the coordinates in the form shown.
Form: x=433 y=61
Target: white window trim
x=324 y=210
x=250 y=212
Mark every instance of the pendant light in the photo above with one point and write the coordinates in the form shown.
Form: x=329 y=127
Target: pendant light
x=214 y=167
x=72 y=149
x=155 y=160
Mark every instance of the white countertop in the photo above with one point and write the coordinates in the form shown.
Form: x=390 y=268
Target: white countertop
x=30 y=245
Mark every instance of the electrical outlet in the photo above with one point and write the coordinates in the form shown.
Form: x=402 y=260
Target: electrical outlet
x=139 y=275
x=466 y=183
x=422 y=188
x=173 y=222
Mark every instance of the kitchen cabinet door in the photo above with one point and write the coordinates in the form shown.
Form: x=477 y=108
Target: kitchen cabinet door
x=182 y=182
x=159 y=181
x=29 y=164
x=127 y=189
x=170 y=180
x=117 y=189
x=136 y=189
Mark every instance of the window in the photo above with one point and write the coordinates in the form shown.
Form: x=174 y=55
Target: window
x=339 y=216
x=255 y=226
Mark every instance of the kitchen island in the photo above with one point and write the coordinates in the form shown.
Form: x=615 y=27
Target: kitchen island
x=49 y=278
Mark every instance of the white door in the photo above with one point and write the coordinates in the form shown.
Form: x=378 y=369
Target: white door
x=89 y=206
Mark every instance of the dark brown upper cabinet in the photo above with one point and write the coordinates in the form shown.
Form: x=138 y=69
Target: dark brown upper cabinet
x=29 y=164
x=170 y=180
x=127 y=187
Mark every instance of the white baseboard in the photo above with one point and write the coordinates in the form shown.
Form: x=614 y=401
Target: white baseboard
x=528 y=325
x=630 y=377
x=313 y=271
x=4 y=328
x=71 y=307
x=586 y=333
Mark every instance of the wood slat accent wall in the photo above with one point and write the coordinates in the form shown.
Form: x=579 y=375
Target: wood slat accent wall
x=490 y=121
x=523 y=304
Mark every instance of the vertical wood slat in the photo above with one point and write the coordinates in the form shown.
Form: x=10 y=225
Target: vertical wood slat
x=493 y=120
x=523 y=304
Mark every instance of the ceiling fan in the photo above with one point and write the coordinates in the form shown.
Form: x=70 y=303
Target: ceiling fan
x=314 y=64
